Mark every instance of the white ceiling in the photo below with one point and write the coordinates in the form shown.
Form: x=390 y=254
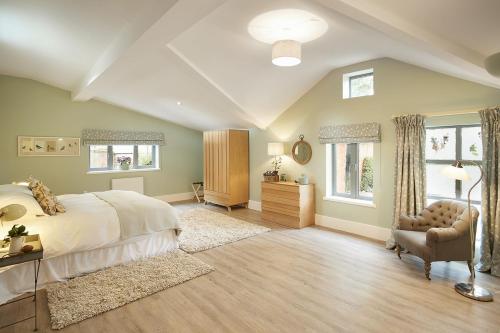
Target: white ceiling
x=149 y=55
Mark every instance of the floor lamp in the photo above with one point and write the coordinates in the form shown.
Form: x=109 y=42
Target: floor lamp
x=469 y=289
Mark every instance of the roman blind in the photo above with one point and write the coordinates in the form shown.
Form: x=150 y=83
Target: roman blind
x=92 y=136
x=354 y=133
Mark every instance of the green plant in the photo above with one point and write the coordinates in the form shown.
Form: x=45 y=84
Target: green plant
x=17 y=231
x=366 y=182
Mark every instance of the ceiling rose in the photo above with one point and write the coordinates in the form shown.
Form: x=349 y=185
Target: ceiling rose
x=287 y=24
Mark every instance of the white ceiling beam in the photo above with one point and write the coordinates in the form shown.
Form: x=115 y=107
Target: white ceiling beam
x=158 y=24
x=372 y=15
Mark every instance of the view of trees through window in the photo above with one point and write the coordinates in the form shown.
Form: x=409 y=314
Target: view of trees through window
x=445 y=145
x=361 y=85
x=353 y=170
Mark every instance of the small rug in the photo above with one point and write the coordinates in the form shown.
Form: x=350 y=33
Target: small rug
x=203 y=229
x=86 y=296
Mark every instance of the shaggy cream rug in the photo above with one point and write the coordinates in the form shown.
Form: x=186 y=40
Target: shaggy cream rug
x=203 y=229
x=89 y=295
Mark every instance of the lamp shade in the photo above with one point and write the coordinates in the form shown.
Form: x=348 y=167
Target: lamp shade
x=456 y=171
x=275 y=148
x=286 y=53
x=12 y=212
x=492 y=64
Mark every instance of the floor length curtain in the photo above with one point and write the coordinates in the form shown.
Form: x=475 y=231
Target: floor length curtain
x=490 y=201
x=410 y=169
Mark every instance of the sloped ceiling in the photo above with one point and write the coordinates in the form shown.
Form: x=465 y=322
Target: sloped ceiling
x=193 y=62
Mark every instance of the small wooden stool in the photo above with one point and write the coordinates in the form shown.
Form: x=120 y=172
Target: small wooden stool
x=198 y=190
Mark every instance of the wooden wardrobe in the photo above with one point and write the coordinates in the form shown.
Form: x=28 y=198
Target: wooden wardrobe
x=225 y=167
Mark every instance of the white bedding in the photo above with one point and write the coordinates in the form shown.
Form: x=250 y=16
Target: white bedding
x=90 y=222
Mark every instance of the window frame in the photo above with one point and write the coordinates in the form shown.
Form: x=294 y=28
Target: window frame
x=458 y=157
x=353 y=149
x=347 y=79
x=135 y=160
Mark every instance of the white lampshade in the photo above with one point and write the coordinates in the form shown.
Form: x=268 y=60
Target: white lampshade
x=286 y=53
x=456 y=171
x=492 y=64
x=275 y=148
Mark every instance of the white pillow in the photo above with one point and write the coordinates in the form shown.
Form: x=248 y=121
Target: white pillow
x=20 y=187
x=21 y=197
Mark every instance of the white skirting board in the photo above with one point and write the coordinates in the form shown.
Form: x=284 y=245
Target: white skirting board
x=361 y=229
x=176 y=197
x=255 y=205
x=356 y=228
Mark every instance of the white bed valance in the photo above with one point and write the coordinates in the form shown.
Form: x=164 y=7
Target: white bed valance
x=112 y=137
x=366 y=132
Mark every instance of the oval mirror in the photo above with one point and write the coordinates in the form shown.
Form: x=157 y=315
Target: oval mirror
x=301 y=151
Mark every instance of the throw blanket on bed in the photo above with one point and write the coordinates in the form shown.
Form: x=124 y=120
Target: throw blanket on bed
x=139 y=214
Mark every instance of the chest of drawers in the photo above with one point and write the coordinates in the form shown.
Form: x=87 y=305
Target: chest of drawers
x=288 y=203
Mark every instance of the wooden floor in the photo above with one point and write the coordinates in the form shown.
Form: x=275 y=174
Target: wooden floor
x=309 y=280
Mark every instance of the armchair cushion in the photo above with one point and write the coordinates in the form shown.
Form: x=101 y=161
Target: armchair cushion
x=414 y=242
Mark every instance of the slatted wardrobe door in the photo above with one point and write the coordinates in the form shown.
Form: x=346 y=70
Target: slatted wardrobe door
x=226 y=167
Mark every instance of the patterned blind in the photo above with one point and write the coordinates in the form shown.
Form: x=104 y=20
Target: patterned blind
x=111 y=137
x=366 y=132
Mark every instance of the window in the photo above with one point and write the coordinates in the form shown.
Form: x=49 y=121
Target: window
x=358 y=84
x=103 y=157
x=445 y=145
x=352 y=170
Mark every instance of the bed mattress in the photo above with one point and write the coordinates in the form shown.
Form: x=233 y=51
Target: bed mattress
x=18 y=279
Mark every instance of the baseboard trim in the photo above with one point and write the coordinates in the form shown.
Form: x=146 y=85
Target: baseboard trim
x=352 y=227
x=356 y=228
x=255 y=205
x=176 y=197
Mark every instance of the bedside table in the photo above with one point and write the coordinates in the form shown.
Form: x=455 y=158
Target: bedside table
x=288 y=203
x=36 y=255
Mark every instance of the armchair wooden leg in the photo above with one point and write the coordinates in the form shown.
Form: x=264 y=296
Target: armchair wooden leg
x=398 y=250
x=470 y=264
x=427 y=268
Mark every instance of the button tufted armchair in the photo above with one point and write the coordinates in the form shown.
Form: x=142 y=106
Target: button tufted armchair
x=439 y=233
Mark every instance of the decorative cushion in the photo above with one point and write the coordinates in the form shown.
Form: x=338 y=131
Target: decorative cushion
x=45 y=198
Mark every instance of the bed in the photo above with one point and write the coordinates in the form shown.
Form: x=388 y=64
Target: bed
x=98 y=230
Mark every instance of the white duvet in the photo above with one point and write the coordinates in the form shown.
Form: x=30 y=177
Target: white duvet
x=91 y=222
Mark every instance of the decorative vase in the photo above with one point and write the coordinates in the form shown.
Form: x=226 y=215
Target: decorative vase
x=16 y=244
x=125 y=166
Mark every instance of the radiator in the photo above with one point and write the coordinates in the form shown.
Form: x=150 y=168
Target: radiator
x=128 y=184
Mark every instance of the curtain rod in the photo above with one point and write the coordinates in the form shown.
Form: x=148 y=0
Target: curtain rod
x=446 y=113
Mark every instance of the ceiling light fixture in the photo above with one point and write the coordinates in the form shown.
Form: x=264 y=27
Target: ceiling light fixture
x=286 y=53
x=492 y=64
x=287 y=30
x=179 y=103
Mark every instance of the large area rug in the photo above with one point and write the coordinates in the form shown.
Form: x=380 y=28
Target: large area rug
x=89 y=295
x=203 y=229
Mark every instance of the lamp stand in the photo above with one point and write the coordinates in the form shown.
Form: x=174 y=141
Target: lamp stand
x=470 y=289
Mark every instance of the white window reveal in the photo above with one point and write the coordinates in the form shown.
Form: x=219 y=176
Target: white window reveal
x=116 y=150
x=358 y=84
x=350 y=167
x=123 y=157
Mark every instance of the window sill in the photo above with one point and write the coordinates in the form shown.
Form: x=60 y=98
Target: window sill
x=357 y=202
x=97 y=172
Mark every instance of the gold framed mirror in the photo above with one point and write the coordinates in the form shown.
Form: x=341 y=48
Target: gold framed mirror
x=301 y=151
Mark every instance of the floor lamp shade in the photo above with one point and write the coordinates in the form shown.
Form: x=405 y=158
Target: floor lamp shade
x=275 y=148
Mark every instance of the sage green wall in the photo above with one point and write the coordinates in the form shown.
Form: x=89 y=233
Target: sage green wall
x=399 y=89
x=35 y=109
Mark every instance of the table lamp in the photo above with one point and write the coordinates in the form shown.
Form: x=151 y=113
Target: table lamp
x=469 y=289
x=11 y=213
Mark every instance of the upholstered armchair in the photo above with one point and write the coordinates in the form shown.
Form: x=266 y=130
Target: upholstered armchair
x=439 y=233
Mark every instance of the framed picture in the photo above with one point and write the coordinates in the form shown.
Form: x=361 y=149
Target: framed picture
x=47 y=146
